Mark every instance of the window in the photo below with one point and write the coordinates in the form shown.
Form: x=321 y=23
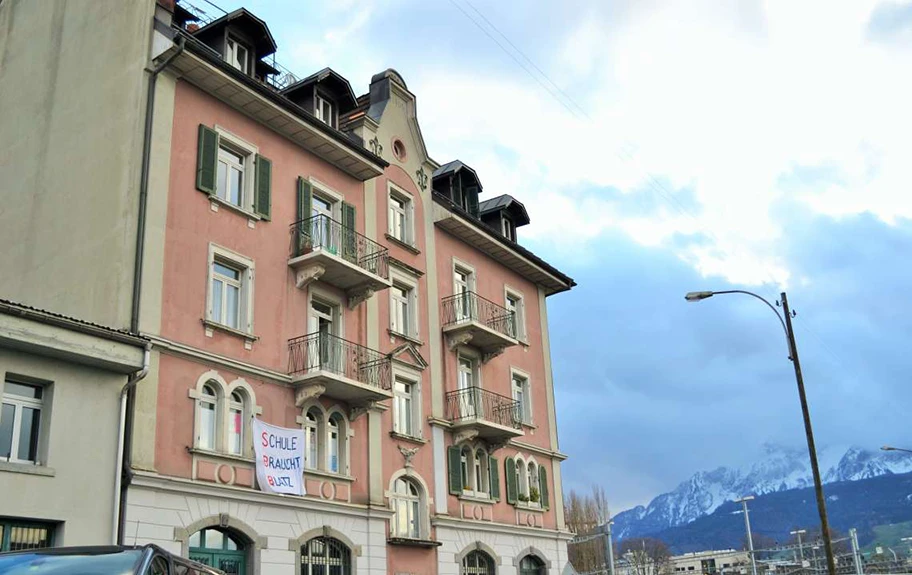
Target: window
x=463 y=285
x=466 y=457
x=472 y=472
x=531 y=565
x=336 y=428
x=467 y=390
x=323 y=110
x=325 y=556
x=508 y=228
x=208 y=417
x=478 y=563
x=399 y=314
x=311 y=443
x=401 y=225
x=20 y=421
x=236 y=423
x=514 y=304
x=480 y=483
x=404 y=404
x=221 y=549
x=16 y=536
x=230 y=182
x=406 y=505
x=236 y=55
x=521 y=395
x=532 y=490
x=230 y=290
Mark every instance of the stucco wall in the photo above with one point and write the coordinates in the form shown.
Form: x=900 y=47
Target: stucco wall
x=81 y=424
x=72 y=89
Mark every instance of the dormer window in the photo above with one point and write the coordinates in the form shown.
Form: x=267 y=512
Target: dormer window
x=236 y=54
x=508 y=228
x=323 y=110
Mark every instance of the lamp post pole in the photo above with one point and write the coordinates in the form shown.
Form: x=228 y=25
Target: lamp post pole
x=747 y=526
x=808 y=430
x=800 y=548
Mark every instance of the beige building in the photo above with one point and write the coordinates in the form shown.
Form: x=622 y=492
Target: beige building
x=59 y=427
x=724 y=562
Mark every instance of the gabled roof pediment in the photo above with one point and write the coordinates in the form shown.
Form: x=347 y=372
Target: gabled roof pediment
x=408 y=354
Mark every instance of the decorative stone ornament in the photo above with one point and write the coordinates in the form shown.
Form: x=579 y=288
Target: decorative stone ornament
x=376 y=146
x=408 y=454
x=422 y=178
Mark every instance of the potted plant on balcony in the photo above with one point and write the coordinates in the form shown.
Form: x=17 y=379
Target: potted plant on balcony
x=523 y=497
x=534 y=495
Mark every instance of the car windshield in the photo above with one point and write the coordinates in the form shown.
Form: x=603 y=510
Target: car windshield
x=113 y=563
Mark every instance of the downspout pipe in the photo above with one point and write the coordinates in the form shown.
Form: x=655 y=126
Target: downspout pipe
x=128 y=393
x=124 y=438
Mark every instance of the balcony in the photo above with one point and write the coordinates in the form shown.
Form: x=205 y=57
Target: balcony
x=323 y=249
x=480 y=413
x=324 y=364
x=471 y=319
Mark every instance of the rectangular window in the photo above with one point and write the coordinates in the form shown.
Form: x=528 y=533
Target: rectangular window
x=400 y=320
x=400 y=217
x=508 y=229
x=230 y=290
x=514 y=304
x=235 y=427
x=323 y=110
x=20 y=421
x=16 y=536
x=230 y=175
x=236 y=55
x=207 y=425
x=403 y=408
x=520 y=389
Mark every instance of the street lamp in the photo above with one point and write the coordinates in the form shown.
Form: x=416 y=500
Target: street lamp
x=889 y=448
x=747 y=525
x=799 y=532
x=808 y=430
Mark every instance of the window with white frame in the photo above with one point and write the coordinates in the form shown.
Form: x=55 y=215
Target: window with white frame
x=325 y=440
x=464 y=464
x=236 y=418
x=236 y=54
x=230 y=290
x=520 y=389
x=532 y=489
x=508 y=228
x=312 y=421
x=482 y=475
x=20 y=421
x=405 y=407
x=514 y=304
x=401 y=225
x=404 y=304
x=231 y=175
x=207 y=406
x=221 y=419
x=406 y=501
x=335 y=430
x=323 y=110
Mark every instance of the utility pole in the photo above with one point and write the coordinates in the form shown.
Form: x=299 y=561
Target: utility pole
x=853 y=536
x=800 y=548
x=812 y=448
x=750 y=540
x=609 y=546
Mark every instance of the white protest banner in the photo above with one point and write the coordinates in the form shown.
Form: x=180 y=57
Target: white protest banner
x=279 y=458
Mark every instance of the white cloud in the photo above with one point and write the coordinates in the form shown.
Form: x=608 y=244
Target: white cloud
x=717 y=101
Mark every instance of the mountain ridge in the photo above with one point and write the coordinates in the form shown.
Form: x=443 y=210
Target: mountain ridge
x=781 y=469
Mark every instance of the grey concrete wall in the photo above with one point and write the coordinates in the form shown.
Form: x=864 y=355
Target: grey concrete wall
x=80 y=419
x=72 y=93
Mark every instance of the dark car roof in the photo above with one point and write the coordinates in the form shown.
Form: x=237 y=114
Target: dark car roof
x=107 y=549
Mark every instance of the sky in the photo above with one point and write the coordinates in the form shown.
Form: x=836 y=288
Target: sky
x=663 y=147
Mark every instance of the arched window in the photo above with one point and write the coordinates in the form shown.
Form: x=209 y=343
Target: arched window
x=336 y=444
x=208 y=418
x=521 y=483
x=478 y=563
x=220 y=549
x=482 y=475
x=465 y=462
x=311 y=441
x=532 y=477
x=531 y=565
x=236 y=419
x=325 y=556
x=406 y=505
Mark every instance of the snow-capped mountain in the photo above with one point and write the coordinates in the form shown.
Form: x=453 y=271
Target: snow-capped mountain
x=780 y=469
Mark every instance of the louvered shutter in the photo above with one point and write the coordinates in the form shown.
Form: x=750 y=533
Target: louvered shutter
x=510 y=479
x=495 y=479
x=262 y=202
x=302 y=223
x=349 y=243
x=543 y=486
x=454 y=457
x=207 y=159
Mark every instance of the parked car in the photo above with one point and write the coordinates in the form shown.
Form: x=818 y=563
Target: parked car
x=100 y=560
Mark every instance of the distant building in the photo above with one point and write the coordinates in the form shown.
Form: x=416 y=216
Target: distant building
x=711 y=562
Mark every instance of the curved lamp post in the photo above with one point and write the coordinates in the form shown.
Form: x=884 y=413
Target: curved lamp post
x=890 y=448
x=786 y=323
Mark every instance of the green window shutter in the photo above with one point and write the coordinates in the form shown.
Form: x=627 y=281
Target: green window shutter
x=302 y=235
x=454 y=456
x=495 y=479
x=262 y=203
x=510 y=477
x=349 y=242
x=543 y=486
x=206 y=159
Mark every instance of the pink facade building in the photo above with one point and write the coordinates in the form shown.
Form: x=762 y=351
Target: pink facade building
x=307 y=263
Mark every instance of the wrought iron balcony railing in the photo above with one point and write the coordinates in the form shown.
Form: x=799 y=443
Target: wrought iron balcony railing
x=323 y=351
x=469 y=306
x=477 y=403
x=321 y=232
